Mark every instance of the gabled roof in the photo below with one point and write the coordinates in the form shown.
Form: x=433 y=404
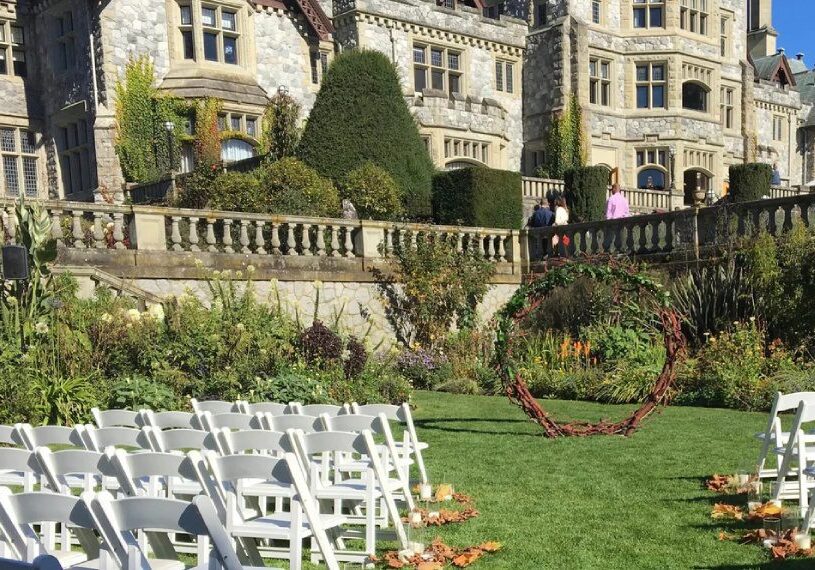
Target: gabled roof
x=797 y=66
x=768 y=67
x=317 y=19
x=806 y=87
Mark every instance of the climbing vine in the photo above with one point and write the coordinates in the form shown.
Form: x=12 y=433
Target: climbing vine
x=281 y=131
x=208 y=137
x=142 y=143
x=564 y=142
x=530 y=296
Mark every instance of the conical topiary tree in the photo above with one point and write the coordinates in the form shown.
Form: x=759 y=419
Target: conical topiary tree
x=360 y=116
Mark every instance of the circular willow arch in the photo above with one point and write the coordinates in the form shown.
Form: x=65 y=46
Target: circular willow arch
x=530 y=296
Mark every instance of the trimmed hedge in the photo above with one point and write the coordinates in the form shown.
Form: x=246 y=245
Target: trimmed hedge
x=360 y=116
x=750 y=181
x=586 y=190
x=478 y=196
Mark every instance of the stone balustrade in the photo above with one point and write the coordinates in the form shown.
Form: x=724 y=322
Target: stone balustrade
x=681 y=234
x=539 y=188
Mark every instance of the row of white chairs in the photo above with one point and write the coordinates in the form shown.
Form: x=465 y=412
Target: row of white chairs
x=211 y=414
x=134 y=532
x=74 y=469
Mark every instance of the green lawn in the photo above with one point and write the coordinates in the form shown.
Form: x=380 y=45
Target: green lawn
x=602 y=502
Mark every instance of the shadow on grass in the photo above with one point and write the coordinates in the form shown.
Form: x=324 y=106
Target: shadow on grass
x=795 y=564
x=446 y=425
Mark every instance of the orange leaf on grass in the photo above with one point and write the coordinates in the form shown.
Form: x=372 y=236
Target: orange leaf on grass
x=491 y=546
x=725 y=511
x=467 y=558
x=430 y=566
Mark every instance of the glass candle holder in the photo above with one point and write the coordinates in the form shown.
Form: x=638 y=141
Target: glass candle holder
x=803 y=540
x=754 y=495
x=772 y=527
x=416 y=531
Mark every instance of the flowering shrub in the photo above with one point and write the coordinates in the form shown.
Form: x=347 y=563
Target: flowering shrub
x=425 y=369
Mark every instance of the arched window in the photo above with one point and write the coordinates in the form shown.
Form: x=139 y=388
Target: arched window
x=458 y=164
x=694 y=96
x=651 y=179
x=233 y=150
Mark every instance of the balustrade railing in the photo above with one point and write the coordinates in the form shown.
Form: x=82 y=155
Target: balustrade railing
x=539 y=188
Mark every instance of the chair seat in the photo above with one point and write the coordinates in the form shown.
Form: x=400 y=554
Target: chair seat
x=278 y=526
x=71 y=558
x=267 y=489
x=351 y=490
x=155 y=564
x=421 y=446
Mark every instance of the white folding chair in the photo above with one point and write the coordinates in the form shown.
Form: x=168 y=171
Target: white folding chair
x=793 y=463
x=317 y=410
x=259 y=441
x=410 y=444
x=391 y=460
x=114 y=418
x=773 y=436
x=98 y=439
x=222 y=478
x=274 y=408
x=69 y=470
x=44 y=436
x=8 y=437
x=154 y=474
x=19 y=468
x=306 y=424
x=320 y=454
x=117 y=519
x=167 y=420
x=215 y=406
x=231 y=420
x=180 y=440
x=21 y=512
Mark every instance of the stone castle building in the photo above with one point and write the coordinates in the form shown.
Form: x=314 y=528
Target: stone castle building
x=689 y=86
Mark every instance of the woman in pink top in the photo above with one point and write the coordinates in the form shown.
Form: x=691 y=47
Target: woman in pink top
x=616 y=205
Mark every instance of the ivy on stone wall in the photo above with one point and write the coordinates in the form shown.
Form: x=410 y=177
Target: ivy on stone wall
x=281 y=131
x=142 y=141
x=207 y=136
x=564 y=142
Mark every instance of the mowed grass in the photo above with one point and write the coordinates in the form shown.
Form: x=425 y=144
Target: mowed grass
x=604 y=502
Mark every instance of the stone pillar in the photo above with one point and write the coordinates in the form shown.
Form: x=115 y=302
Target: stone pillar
x=368 y=239
x=147 y=230
x=108 y=170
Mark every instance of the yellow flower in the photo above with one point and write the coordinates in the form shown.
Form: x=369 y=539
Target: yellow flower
x=250 y=269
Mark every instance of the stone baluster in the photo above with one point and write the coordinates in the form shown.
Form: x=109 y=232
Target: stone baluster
x=479 y=240
x=98 y=231
x=211 y=235
x=275 y=239
x=349 y=242
x=291 y=241
x=259 y=241
x=244 y=237
x=502 y=251
x=388 y=241
x=643 y=238
x=194 y=234
x=56 y=227
x=228 y=236
x=175 y=233
x=118 y=231
x=490 y=247
x=321 y=240
x=459 y=242
x=76 y=229
x=335 y=241
x=307 y=240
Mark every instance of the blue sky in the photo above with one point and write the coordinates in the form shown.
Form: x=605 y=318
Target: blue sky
x=794 y=21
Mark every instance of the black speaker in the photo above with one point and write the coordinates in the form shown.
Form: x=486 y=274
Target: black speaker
x=15 y=263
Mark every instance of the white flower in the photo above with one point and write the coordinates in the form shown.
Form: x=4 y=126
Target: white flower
x=250 y=269
x=218 y=305
x=109 y=225
x=241 y=327
x=198 y=263
x=318 y=284
x=133 y=315
x=239 y=275
x=157 y=312
x=106 y=318
x=226 y=274
x=346 y=355
x=216 y=274
x=41 y=328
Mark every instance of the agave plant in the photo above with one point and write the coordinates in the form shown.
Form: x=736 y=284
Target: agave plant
x=712 y=297
x=23 y=304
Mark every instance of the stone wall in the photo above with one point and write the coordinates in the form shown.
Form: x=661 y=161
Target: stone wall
x=772 y=101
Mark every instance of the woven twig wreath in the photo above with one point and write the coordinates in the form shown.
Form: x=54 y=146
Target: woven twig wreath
x=529 y=297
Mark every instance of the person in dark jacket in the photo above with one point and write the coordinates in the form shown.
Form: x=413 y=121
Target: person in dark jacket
x=542 y=216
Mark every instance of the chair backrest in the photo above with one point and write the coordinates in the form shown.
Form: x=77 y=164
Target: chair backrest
x=20 y=512
x=180 y=439
x=114 y=418
x=355 y=423
x=318 y=452
x=57 y=466
x=97 y=439
x=214 y=406
x=167 y=420
x=117 y=520
x=274 y=408
x=43 y=436
x=252 y=440
x=307 y=424
x=320 y=409
x=20 y=461
x=231 y=420
x=392 y=412
x=7 y=436
x=146 y=474
x=786 y=402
